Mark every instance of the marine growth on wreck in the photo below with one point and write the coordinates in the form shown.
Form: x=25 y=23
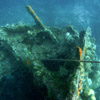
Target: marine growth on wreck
x=47 y=63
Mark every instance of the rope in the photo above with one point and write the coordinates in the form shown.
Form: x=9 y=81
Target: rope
x=69 y=60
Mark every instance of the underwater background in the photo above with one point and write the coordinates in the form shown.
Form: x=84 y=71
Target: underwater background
x=54 y=13
x=80 y=13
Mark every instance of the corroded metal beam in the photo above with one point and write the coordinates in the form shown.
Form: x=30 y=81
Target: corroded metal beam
x=37 y=21
x=33 y=14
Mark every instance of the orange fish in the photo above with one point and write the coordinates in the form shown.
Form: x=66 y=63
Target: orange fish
x=80 y=51
x=27 y=62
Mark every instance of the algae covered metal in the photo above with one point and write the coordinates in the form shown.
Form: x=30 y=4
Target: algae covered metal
x=32 y=62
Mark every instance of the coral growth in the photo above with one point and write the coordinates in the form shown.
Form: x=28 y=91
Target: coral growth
x=32 y=51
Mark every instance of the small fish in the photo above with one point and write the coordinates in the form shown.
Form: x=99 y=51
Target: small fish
x=80 y=52
x=27 y=62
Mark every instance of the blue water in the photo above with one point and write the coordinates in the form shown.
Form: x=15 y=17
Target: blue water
x=51 y=12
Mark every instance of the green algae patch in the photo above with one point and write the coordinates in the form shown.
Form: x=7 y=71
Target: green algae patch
x=54 y=66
